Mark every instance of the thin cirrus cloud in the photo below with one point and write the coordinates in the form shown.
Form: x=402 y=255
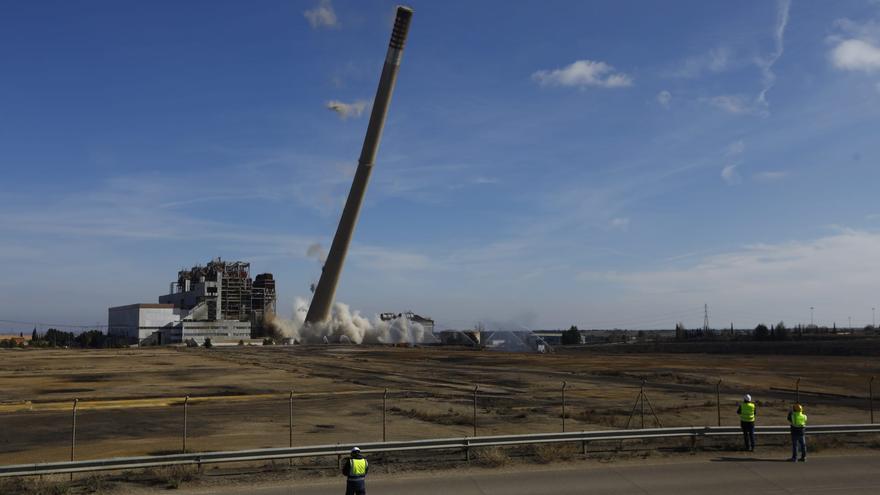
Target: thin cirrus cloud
x=583 y=74
x=322 y=15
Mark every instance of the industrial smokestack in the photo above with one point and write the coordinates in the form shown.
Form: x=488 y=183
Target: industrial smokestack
x=319 y=309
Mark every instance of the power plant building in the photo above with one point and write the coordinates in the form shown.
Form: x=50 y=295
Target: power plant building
x=218 y=301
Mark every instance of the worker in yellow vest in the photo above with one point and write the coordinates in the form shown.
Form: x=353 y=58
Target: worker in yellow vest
x=746 y=411
x=355 y=469
x=798 y=421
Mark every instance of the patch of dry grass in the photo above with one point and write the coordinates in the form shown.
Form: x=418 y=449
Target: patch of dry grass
x=449 y=417
x=554 y=452
x=173 y=476
x=490 y=457
x=27 y=486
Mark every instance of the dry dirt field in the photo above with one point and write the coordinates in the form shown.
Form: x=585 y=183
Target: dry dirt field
x=131 y=400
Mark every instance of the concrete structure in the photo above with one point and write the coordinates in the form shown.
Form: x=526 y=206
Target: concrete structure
x=136 y=322
x=325 y=291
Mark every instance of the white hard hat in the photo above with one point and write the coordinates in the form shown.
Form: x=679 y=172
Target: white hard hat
x=747 y=398
x=355 y=449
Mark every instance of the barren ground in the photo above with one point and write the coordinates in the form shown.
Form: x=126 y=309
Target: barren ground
x=131 y=399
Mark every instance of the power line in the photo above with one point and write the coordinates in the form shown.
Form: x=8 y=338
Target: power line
x=41 y=324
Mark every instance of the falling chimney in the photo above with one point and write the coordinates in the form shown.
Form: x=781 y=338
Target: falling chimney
x=325 y=291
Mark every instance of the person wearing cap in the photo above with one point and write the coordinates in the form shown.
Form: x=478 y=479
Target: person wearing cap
x=798 y=421
x=746 y=411
x=355 y=469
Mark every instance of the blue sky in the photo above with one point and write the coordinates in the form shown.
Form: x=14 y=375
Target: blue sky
x=544 y=163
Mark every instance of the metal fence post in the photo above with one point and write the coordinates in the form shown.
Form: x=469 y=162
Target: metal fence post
x=290 y=419
x=871 y=398
x=73 y=431
x=73 y=435
x=384 y=403
x=642 y=401
x=564 y=383
x=475 y=409
x=718 y=400
x=185 y=407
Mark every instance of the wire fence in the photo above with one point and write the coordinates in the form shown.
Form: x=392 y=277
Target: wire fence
x=84 y=429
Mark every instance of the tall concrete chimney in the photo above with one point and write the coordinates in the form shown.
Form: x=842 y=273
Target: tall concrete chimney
x=319 y=310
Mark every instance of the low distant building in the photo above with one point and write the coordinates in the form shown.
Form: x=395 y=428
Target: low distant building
x=135 y=322
x=16 y=339
x=219 y=331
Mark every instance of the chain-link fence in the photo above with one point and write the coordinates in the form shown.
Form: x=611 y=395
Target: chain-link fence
x=41 y=432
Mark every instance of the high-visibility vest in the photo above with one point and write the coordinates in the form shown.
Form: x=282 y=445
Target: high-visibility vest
x=798 y=419
x=747 y=412
x=358 y=468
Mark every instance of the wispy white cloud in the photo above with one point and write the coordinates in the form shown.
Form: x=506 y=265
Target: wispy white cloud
x=735 y=148
x=730 y=174
x=740 y=104
x=348 y=110
x=664 y=98
x=620 y=223
x=776 y=281
x=584 y=73
x=766 y=64
x=855 y=46
x=322 y=15
x=386 y=259
x=770 y=175
x=715 y=60
x=856 y=55
x=734 y=104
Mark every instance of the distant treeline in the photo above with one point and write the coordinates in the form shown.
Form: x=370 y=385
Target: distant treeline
x=92 y=339
x=764 y=339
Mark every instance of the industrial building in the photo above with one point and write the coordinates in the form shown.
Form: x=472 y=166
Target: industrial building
x=218 y=301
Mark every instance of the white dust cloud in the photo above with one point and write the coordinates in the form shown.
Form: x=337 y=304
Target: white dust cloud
x=346 y=326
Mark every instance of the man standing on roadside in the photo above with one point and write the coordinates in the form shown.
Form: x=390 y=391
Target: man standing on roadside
x=355 y=469
x=746 y=411
x=798 y=421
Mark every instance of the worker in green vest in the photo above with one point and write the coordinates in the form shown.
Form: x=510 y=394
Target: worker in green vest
x=355 y=469
x=746 y=411
x=798 y=421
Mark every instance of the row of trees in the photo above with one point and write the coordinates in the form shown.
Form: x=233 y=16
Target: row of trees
x=92 y=339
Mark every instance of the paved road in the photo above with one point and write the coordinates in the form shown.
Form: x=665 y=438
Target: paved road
x=719 y=476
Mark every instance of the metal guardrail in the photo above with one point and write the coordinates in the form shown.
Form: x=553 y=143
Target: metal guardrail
x=200 y=458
